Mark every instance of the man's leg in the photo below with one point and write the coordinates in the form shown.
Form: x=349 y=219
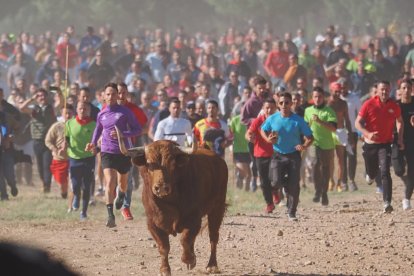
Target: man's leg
x=317 y=174
x=327 y=158
x=110 y=176
x=370 y=154
x=263 y=165
x=384 y=157
x=47 y=175
x=293 y=188
x=342 y=179
x=37 y=148
x=253 y=184
x=352 y=161
x=76 y=176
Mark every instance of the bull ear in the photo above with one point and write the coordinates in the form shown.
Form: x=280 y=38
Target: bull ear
x=182 y=159
x=139 y=160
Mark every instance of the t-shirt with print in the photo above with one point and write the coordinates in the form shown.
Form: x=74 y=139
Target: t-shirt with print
x=323 y=137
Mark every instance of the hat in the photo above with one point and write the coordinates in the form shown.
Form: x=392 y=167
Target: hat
x=319 y=38
x=337 y=41
x=334 y=86
x=190 y=104
x=114 y=44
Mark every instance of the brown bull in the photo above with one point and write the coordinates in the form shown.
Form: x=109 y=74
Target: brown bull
x=179 y=189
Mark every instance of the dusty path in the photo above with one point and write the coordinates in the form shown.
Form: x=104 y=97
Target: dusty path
x=350 y=237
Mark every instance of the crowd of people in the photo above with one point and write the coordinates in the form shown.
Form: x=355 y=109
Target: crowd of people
x=286 y=106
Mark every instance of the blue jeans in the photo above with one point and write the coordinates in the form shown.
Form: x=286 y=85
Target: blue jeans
x=82 y=173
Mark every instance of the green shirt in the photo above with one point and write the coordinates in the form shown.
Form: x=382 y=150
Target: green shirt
x=240 y=144
x=322 y=136
x=368 y=66
x=79 y=135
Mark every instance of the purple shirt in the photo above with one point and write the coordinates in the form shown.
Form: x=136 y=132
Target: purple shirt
x=251 y=109
x=110 y=117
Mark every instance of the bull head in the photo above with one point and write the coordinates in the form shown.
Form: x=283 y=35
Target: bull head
x=160 y=161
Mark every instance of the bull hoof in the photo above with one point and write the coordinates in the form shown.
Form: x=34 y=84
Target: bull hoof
x=212 y=269
x=165 y=272
x=190 y=261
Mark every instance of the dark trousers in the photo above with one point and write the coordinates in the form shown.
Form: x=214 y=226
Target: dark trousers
x=82 y=173
x=285 y=172
x=7 y=175
x=378 y=159
x=350 y=162
x=43 y=160
x=263 y=165
x=409 y=178
x=324 y=158
x=254 y=164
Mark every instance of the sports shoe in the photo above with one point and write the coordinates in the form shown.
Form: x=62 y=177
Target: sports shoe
x=331 y=185
x=369 y=180
x=46 y=189
x=75 y=203
x=83 y=216
x=119 y=200
x=111 y=222
x=388 y=208
x=92 y=202
x=325 y=200
x=14 y=191
x=353 y=187
x=292 y=217
x=100 y=192
x=339 y=189
x=126 y=213
x=379 y=190
x=406 y=204
x=269 y=208
x=276 y=198
x=64 y=195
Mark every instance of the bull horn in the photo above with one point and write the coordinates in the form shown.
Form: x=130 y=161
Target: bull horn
x=186 y=150
x=122 y=147
x=136 y=151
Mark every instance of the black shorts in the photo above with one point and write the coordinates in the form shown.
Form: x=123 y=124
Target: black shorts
x=118 y=162
x=242 y=157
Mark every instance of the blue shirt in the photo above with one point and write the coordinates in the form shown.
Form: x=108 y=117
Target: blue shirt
x=289 y=131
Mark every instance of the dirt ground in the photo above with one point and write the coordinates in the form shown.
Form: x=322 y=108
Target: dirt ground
x=349 y=237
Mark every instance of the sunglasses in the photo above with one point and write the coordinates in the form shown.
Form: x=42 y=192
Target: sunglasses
x=284 y=103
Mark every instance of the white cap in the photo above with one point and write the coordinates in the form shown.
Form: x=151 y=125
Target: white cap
x=337 y=41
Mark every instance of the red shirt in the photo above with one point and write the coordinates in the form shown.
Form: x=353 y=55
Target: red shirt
x=277 y=63
x=380 y=117
x=261 y=147
x=138 y=112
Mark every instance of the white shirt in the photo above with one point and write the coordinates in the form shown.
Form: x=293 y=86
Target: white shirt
x=354 y=105
x=174 y=129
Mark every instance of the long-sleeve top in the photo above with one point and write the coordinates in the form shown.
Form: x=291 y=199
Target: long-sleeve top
x=108 y=118
x=175 y=129
x=54 y=140
x=251 y=109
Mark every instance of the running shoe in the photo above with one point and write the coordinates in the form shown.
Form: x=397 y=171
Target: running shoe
x=111 y=222
x=119 y=200
x=388 y=208
x=269 y=208
x=126 y=213
x=406 y=204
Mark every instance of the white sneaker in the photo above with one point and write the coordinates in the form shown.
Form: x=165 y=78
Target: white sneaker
x=369 y=180
x=406 y=204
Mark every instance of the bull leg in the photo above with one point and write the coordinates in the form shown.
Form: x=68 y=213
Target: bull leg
x=163 y=242
x=188 y=237
x=214 y=221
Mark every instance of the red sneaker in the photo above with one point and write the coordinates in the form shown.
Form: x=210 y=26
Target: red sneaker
x=126 y=213
x=276 y=198
x=269 y=208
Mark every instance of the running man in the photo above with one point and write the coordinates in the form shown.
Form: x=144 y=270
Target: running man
x=285 y=130
x=115 y=165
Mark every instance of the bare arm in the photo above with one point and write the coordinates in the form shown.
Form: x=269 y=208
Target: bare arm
x=330 y=126
x=271 y=138
x=359 y=124
x=24 y=106
x=306 y=144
